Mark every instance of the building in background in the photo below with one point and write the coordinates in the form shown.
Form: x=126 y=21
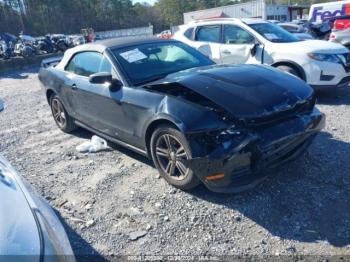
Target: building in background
x=255 y=9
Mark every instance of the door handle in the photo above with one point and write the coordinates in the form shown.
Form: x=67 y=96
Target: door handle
x=226 y=52
x=74 y=87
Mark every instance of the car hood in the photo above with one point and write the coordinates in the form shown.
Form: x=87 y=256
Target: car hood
x=19 y=233
x=309 y=46
x=245 y=91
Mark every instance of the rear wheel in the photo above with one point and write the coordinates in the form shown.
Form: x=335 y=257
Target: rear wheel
x=169 y=149
x=60 y=115
x=289 y=70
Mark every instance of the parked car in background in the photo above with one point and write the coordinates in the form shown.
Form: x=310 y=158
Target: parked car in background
x=321 y=64
x=75 y=40
x=5 y=51
x=224 y=126
x=60 y=42
x=341 y=31
x=165 y=34
x=44 y=45
x=296 y=29
x=274 y=21
x=7 y=45
x=29 y=228
x=25 y=46
x=300 y=21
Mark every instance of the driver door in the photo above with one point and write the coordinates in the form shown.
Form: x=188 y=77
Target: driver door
x=237 y=46
x=95 y=105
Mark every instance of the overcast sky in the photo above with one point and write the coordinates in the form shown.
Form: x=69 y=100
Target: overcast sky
x=147 y=1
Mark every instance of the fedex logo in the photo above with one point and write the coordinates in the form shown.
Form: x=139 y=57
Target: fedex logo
x=319 y=15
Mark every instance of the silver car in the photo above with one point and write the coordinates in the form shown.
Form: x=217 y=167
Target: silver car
x=341 y=37
x=296 y=29
x=29 y=228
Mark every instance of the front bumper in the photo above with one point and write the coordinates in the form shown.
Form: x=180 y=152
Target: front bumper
x=326 y=76
x=343 y=83
x=246 y=165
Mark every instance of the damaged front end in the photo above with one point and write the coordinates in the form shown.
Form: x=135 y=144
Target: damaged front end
x=239 y=158
x=266 y=120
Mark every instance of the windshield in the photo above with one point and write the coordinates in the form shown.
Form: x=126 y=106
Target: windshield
x=274 y=33
x=149 y=62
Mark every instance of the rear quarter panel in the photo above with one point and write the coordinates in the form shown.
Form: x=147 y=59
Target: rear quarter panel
x=54 y=80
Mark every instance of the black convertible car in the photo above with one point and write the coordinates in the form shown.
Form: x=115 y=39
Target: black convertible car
x=223 y=125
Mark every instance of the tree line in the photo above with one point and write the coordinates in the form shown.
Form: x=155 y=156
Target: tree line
x=39 y=17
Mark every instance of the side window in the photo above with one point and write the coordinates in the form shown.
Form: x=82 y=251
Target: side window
x=85 y=64
x=189 y=33
x=210 y=33
x=70 y=67
x=105 y=66
x=236 y=35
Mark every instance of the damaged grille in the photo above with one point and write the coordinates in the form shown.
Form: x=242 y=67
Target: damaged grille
x=300 y=108
x=283 y=151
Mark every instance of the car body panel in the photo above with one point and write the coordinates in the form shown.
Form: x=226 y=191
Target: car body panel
x=28 y=225
x=341 y=36
x=249 y=161
x=19 y=232
x=245 y=90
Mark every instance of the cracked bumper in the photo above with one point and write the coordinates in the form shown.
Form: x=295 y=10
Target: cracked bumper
x=247 y=164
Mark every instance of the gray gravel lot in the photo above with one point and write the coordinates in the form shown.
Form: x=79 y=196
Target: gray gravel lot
x=114 y=203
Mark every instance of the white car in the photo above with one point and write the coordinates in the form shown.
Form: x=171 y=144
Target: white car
x=297 y=30
x=321 y=64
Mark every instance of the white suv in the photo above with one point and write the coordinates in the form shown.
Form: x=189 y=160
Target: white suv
x=321 y=64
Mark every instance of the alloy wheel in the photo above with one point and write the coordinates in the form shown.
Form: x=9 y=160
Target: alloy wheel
x=58 y=112
x=171 y=155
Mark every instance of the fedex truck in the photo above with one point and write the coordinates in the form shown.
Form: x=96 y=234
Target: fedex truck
x=324 y=11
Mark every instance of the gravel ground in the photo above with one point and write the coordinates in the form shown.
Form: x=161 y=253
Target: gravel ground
x=114 y=203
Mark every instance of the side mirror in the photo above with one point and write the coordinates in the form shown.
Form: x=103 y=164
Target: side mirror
x=101 y=78
x=254 y=48
x=115 y=85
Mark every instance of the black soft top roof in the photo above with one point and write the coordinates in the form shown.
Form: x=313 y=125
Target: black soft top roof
x=124 y=42
x=101 y=46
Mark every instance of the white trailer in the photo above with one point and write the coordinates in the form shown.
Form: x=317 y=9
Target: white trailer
x=324 y=11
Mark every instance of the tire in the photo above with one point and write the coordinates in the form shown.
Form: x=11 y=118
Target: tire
x=289 y=70
x=60 y=115
x=165 y=158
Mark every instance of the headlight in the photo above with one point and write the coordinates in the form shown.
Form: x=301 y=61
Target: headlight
x=332 y=58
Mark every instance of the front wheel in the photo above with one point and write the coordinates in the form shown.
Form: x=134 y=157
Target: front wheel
x=289 y=70
x=169 y=149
